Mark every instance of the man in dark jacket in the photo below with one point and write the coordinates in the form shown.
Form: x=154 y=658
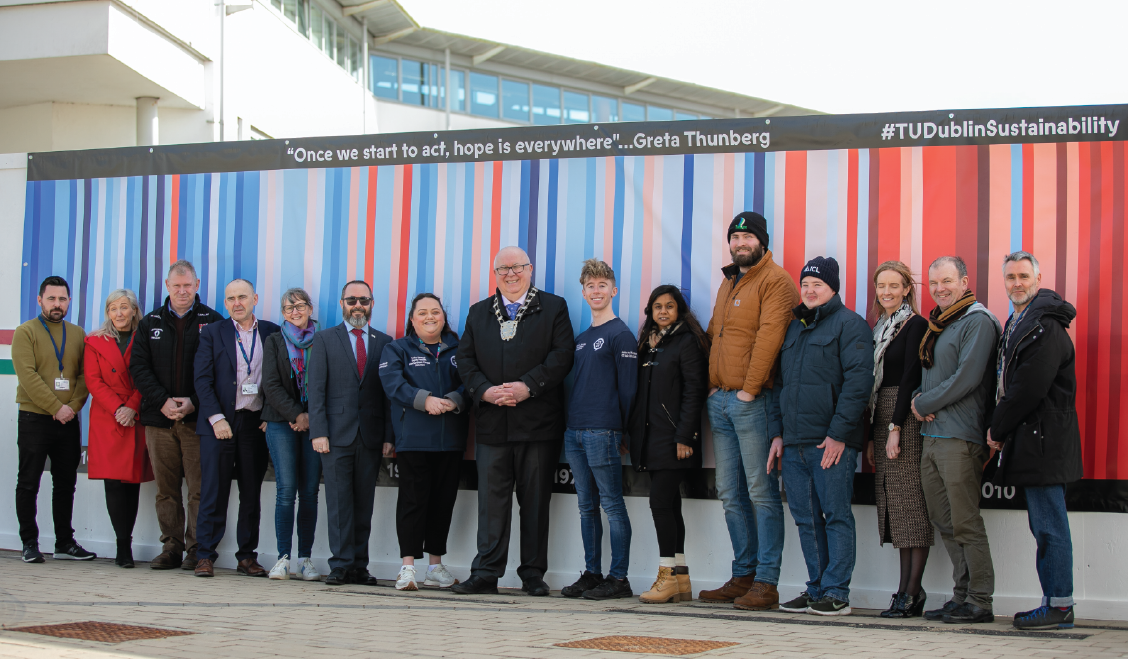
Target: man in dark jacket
x=516 y=349
x=163 y=371
x=816 y=421
x=1036 y=429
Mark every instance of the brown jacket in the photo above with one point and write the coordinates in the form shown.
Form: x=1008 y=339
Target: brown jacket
x=748 y=325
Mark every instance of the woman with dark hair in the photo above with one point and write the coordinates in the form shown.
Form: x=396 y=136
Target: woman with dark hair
x=896 y=446
x=665 y=423
x=429 y=421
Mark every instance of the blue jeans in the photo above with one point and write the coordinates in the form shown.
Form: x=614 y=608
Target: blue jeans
x=751 y=499
x=820 y=501
x=1047 y=517
x=594 y=457
x=297 y=471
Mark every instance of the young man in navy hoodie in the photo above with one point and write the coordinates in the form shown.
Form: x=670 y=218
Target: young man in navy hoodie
x=604 y=384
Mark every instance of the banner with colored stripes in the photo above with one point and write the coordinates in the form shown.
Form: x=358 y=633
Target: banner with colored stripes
x=656 y=219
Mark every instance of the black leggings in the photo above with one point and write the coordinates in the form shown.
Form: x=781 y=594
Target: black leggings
x=121 y=503
x=667 y=510
x=429 y=485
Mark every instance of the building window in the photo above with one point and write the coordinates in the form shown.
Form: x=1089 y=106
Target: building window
x=330 y=37
x=484 y=95
x=576 y=108
x=302 y=22
x=659 y=114
x=421 y=83
x=515 y=101
x=459 y=100
x=604 y=109
x=631 y=112
x=342 y=55
x=547 y=105
x=355 y=66
x=317 y=35
x=684 y=116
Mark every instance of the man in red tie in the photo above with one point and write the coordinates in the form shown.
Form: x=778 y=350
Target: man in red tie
x=349 y=423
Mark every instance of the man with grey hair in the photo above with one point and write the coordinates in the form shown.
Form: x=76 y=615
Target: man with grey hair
x=162 y=368
x=514 y=355
x=953 y=403
x=1036 y=429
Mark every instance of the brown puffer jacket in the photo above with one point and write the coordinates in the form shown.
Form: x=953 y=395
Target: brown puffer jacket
x=748 y=325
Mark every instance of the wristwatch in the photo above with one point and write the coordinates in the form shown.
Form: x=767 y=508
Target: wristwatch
x=892 y=427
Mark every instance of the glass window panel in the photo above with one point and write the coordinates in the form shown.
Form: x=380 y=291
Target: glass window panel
x=576 y=108
x=339 y=48
x=290 y=9
x=277 y=4
x=684 y=116
x=412 y=81
x=659 y=114
x=382 y=71
x=484 y=95
x=328 y=44
x=547 y=105
x=355 y=59
x=303 y=28
x=604 y=109
x=631 y=112
x=515 y=101
x=459 y=100
x=316 y=34
x=433 y=85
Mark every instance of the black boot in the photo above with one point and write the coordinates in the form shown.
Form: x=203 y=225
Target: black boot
x=917 y=604
x=900 y=607
x=124 y=557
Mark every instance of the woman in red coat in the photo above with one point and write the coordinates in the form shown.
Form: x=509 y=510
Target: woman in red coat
x=116 y=451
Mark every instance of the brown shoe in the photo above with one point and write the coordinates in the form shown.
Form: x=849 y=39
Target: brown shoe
x=251 y=568
x=189 y=560
x=761 y=597
x=730 y=591
x=204 y=568
x=683 y=576
x=166 y=560
x=664 y=590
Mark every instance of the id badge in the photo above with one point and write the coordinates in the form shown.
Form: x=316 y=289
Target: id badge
x=250 y=389
x=62 y=384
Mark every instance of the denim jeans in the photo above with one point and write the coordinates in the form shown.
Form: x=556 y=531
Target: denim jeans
x=594 y=457
x=297 y=471
x=1047 y=517
x=751 y=499
x=820 y=502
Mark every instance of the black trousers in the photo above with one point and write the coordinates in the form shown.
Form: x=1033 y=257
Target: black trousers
x=39 y=437
x=429 y=483
x=350 y=475
x=528 y=468
x=121 y=502
x=667 y=510
x=245 y=457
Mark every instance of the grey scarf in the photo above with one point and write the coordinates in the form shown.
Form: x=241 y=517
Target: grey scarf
x=886 y=329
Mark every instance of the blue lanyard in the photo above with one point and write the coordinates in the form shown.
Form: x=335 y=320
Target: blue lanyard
x=239 y=340
x=59 y=352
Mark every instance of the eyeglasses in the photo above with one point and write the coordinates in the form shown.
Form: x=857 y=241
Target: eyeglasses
x=353 y=301
x=301 y=307
x=516 y=269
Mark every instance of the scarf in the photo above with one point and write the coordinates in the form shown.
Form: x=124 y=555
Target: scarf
x=939 y=321
x=298 y=350
x=885 y=332
x=656 y=337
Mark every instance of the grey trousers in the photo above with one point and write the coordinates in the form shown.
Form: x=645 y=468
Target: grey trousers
x=951 y=481
x=350 y=474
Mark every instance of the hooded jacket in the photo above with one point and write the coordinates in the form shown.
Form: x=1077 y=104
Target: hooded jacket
x=1036 y=417
x=410 y=373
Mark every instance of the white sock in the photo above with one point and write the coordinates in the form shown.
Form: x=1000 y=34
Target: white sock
x=680 y=560
x=666 y=561
x=432 y=567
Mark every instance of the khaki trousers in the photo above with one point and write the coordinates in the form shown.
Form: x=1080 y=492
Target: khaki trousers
x=175 y=453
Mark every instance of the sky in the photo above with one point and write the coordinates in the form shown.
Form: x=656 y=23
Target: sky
x=838 y=57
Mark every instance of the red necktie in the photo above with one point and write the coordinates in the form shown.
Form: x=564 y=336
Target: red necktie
x=361 y=356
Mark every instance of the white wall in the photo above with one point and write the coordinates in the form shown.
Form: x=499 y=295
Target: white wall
x=1099 y=539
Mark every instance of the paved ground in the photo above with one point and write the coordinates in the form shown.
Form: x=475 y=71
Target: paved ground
x=235 y=616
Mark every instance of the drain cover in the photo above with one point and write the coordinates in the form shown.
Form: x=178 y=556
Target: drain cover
x=648 y=644
x=105 y=632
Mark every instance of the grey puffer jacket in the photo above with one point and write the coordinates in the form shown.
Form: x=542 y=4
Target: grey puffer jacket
x=958 y=390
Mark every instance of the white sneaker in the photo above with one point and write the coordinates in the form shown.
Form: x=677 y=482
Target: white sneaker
x=406 y=579
x=281 y=570
x=439 y=576
x=307 y=571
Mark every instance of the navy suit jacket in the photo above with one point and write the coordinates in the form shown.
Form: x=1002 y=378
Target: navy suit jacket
x=343 y=405
x=215 y=368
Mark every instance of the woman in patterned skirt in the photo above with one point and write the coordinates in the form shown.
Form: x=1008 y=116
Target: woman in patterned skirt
x=896 y=449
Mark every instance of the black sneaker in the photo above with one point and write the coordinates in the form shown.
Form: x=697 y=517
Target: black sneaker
x=610 y=589
x=969 y=613
x=829 y=606
x=31 y=553
x=535 y=587
x=588 y=581
x=1045 y=617
x=74 y=552
x=938 y=614
x=796 y=605
x=476 y=585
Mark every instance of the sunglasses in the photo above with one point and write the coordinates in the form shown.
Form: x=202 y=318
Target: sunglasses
x=354 y=301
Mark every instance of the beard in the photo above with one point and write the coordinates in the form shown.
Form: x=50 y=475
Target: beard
x=55 y=315
x=1024 y=297
x=748 y=259
x=355 y=320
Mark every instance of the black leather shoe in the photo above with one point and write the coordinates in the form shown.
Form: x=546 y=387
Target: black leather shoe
x=969 y=613
x=361 y=577
x=337 y=577
x=588 y=581
x=900 y=607
x=938 y=614
x=535 y=587
x=917 y=603
x=476 y=585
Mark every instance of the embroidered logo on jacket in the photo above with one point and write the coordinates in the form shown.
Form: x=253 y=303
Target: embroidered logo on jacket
x=598 y=344
x=156 y=333
x=581 y=346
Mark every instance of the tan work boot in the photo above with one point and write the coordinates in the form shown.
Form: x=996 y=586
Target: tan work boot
x=730 y=591
x=761 y=597
x=665 y=589
x=683 y=576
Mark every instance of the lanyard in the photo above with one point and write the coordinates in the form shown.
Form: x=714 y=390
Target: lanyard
x=239 y=340
x=59 y=352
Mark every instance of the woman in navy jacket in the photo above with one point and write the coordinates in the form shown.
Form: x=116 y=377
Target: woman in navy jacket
x=429 y=419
